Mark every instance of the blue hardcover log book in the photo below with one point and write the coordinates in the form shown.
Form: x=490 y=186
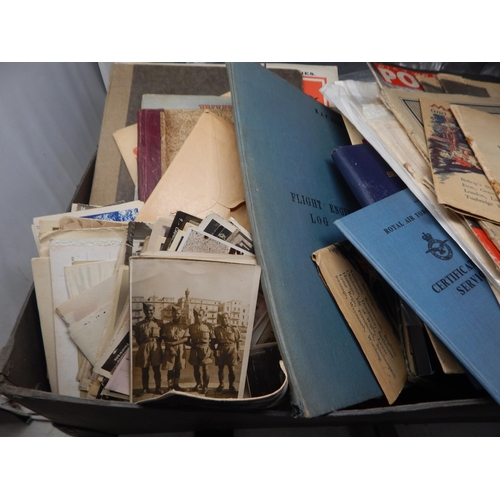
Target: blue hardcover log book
x=294 y=194
x=408 y=247
x=368 y=175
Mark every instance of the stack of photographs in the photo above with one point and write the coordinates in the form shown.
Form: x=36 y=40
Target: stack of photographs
x=198 y=316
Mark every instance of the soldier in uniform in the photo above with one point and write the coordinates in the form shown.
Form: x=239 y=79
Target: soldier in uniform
x=147 y=335
x=175 y=336
x=226 y=344
x=200 y=338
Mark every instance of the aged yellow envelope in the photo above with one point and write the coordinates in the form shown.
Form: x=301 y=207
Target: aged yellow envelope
x=369 y=325
x=482 y=132
x=126 y=140
x=204 y=177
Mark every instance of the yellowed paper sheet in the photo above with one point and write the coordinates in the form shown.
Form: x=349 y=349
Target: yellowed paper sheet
x=405 y=105
x=369 y=325
x=120 y=308
x=80 y=234
x=92 y=328
x=365 y=109
x=77 y=281
x=122 y=212
x=84 y=375
x=126 y=140
x=62 y=253
x=456 y=84
x=405 y=151
x=82 y=276
x=121 y=295
x=352 y=131
x=204 y=177
x=492 y=231
x=43 y=291
x=496 y=293
x=459 y=181
x=482 y=132
x=448 y=362
x=47 y=226
x=86 y=303
x=87 y=333
x=68 y=222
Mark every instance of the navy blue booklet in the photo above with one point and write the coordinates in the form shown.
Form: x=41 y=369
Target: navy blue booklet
x=294 y=194
x=368 y=175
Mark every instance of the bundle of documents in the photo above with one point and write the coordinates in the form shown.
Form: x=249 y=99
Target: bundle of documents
x=436 y=243
x=91 y=283
x=420 y=135
x=180 y=246
x=154 y=290
x=81 y=285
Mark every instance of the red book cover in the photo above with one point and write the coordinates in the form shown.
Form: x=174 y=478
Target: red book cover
x=148 y=151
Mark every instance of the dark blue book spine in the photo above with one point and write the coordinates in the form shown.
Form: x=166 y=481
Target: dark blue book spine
x=367 y=174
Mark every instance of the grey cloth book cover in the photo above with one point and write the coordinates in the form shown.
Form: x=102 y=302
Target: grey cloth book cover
x=294 y=194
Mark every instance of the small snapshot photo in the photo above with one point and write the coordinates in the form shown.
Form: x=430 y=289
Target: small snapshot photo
x=191 y=325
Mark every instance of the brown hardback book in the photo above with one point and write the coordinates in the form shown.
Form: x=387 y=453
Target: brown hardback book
x=128 y=82
x=148 y=151
x=176 y=126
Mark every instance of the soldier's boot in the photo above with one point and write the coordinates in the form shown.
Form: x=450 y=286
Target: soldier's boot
x=170 y=383
x=232 y=378
x=145 y=382
x=220 y=388
x=176 y=385
x=158 y=384
x=197 y=378
x=206 y=380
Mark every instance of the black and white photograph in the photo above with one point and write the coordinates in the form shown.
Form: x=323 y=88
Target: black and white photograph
x=159 y=233
x=191 y=325
x=182 y=220
x=219 y=227
x=195 y=240
x=137 y=235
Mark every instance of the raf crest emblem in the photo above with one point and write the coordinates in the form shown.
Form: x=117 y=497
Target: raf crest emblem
x=438 y=248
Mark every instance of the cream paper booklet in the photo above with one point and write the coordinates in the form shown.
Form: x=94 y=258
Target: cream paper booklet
x=482 y=132
x=459 y=180
x=405 y=105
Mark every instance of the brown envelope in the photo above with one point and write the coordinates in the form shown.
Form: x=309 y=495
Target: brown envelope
x=204 y=176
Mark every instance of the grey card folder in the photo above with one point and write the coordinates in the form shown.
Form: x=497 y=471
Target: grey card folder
x=294 y=194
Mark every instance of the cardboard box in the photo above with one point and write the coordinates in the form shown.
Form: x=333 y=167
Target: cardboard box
x=24 y=381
